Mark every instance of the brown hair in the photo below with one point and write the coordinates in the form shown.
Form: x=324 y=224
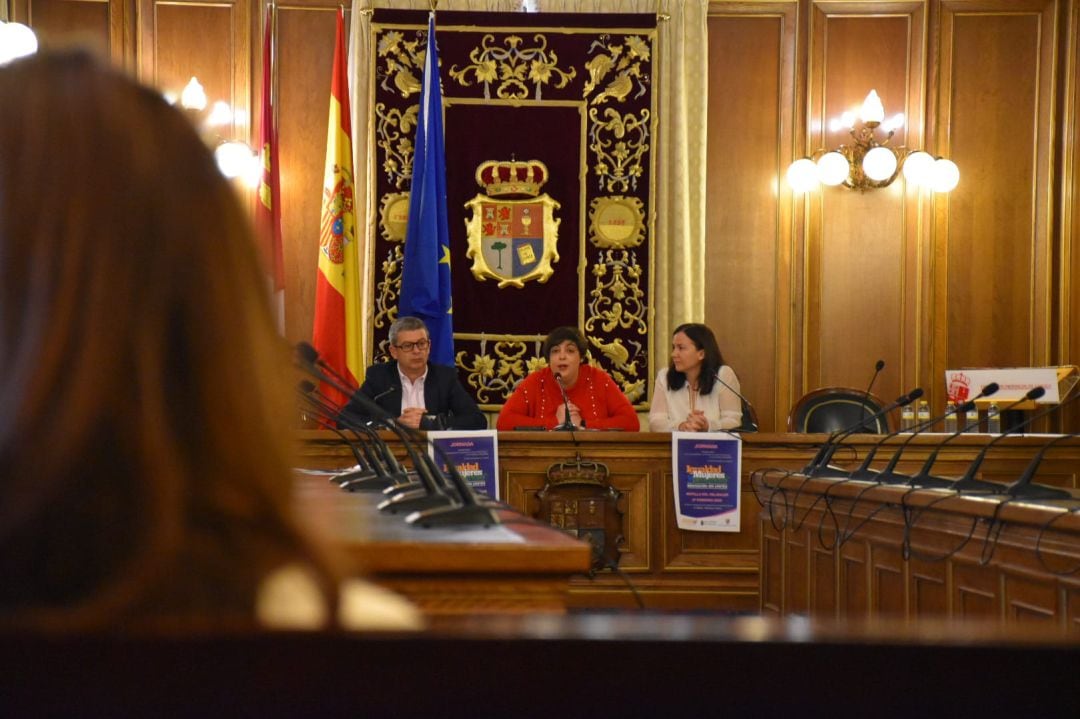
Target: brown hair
x=144 y=446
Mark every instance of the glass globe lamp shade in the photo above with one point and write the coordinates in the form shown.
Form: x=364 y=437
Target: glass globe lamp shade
x=832 y=168
x=16 y=40
x=879 y=164
x=802 y=175
x=917 y=167
x=944 y=176
x=234 y=159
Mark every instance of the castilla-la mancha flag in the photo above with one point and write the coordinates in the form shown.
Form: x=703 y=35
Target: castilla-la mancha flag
x=267 y=217
x=336 y=334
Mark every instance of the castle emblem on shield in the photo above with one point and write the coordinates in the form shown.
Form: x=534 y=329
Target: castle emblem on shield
x=513 y=230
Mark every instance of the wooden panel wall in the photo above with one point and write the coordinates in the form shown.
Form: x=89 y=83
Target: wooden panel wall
x=804 y=291
x=748 y=260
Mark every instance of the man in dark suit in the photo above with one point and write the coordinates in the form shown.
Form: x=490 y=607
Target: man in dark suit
x=421 y=395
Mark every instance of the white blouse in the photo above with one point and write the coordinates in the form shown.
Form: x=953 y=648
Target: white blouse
x=670 y=408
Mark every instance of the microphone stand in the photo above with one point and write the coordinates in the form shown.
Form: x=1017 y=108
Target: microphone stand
x=568 y=423
x=1024 y=488
x=968 y=483
x=880 y=365
x=888 y=476
x=925 y=480
x=464 y=510
x=863 y=472
x=746 y=418
x=819 y=466
x=378 y=475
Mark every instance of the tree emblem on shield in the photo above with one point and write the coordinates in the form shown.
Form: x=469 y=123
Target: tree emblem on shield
x=513 y=231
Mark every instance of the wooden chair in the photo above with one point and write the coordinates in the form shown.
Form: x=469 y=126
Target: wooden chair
x=836 y=408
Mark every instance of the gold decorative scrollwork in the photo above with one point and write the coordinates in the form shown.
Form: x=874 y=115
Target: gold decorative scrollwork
x=616 y=222
x=401 y=62
x=389 y=287
x=620 y=142
x=393 y=134
x=617 y=300
x=624 y=62
x=494 y=377
x=515 y=66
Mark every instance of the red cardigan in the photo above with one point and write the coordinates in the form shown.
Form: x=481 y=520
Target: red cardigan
x=602 y=403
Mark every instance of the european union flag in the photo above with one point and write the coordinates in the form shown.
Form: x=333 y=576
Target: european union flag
x=425 y=274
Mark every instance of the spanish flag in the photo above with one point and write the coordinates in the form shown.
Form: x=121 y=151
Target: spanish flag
x=336 y=334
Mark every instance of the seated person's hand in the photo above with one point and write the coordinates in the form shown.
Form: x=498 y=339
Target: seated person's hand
x=695 y=422
x=411 y=417
x=575 y=414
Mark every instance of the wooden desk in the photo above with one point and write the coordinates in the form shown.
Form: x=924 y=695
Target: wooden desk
x=679 y=569
x=518 y=567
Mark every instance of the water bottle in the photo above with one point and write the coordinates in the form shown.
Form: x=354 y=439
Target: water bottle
x=993 y=419
x=907 y=418
x=923 y=416
x=951 y=419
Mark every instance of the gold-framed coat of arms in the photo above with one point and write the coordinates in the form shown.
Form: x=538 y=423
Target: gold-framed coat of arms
x=513 y=232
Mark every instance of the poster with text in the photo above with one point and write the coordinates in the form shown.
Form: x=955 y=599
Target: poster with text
x=474 y=453
x=706 y=467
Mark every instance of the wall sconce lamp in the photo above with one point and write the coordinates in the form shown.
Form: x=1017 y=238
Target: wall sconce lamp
x=869 y=163
x=16 y=40
x=235 y=159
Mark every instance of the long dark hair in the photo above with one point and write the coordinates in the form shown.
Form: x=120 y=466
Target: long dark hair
x=144 y=448
x=703 y=339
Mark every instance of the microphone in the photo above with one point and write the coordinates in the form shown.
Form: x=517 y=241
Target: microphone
x=309 y=355
x=568 y=423
x=1024 y=488
x=878 y=366
x=923 y=479
x=968 y=483
x=825 y=453
x=747 y=416
x=380 y=473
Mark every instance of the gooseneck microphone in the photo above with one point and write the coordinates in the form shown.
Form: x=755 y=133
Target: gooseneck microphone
x=819 y=466
x=1024 y=488
x=863 y=472
x=922 y=478
x=747 y=418
x=309 y=355
x=459 y=507
x=968 y=483
x=382 y=468
x=568 y=422
x=878 y=366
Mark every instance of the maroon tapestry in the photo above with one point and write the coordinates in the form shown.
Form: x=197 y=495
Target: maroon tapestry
x=550 y=129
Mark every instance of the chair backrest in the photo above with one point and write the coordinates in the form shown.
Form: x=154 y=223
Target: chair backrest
x=835 y=408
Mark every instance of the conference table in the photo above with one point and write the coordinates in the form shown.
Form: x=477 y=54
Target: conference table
x=760 y=568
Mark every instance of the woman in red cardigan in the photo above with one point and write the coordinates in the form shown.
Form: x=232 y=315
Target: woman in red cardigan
x=596 y=402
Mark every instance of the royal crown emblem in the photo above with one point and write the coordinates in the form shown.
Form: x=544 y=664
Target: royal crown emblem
x=513 y=231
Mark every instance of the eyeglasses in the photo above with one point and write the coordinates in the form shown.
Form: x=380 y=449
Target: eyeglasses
x=410 y=346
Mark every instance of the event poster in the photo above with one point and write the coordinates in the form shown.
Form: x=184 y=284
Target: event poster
x=474 y=453
x=706 y=467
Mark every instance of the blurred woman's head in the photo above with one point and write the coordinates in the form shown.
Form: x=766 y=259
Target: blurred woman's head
x=141 y=445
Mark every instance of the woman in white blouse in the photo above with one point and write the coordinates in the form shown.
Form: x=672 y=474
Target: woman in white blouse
x=687 y=396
